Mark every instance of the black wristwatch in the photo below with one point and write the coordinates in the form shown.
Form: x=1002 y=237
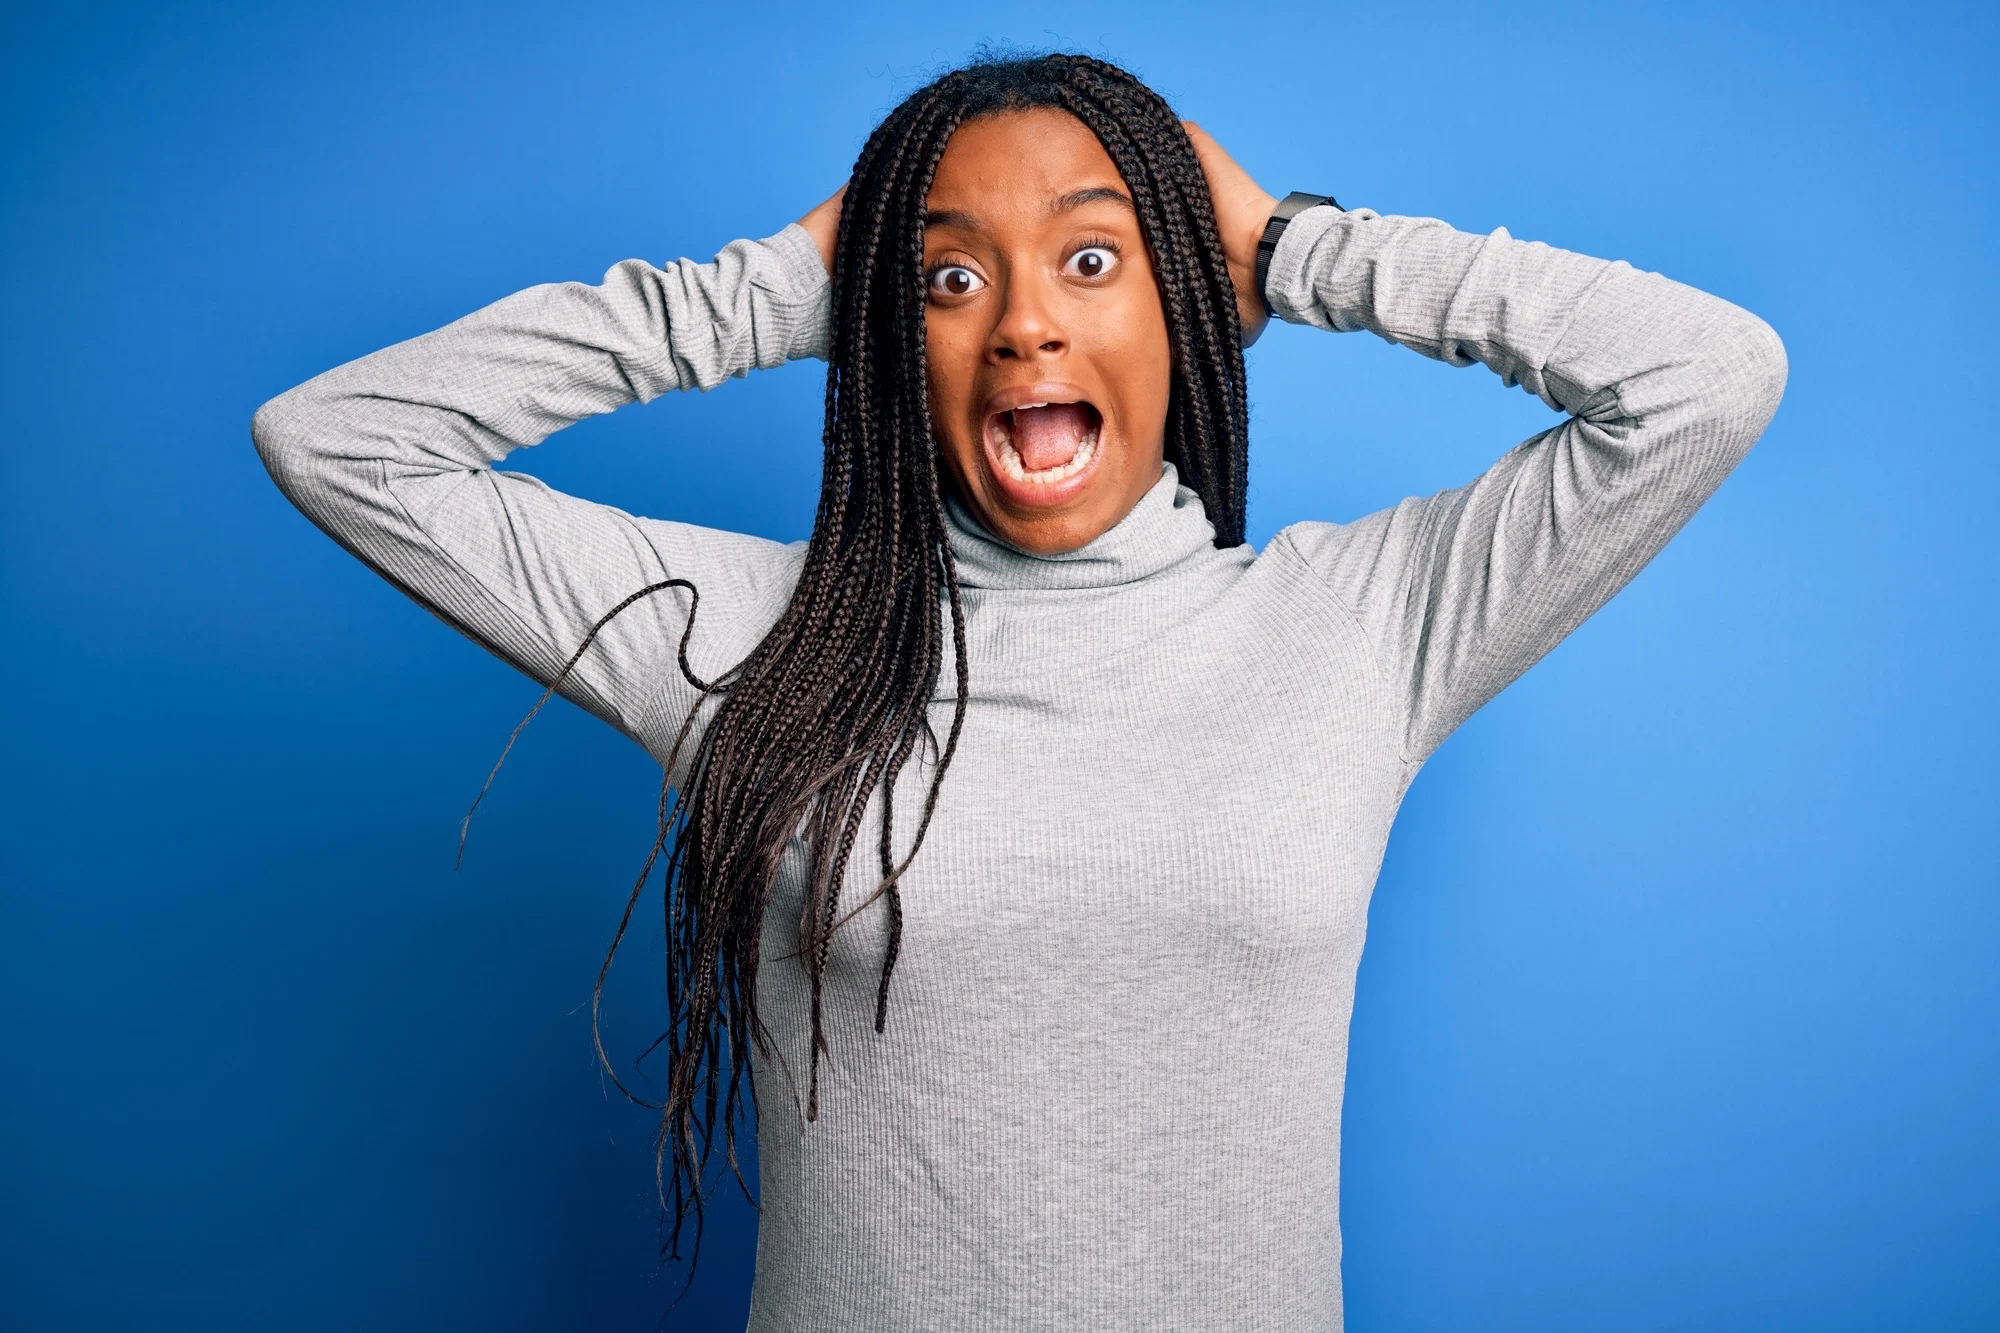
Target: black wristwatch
x=1288 y=208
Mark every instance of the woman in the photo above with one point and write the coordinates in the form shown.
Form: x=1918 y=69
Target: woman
x=1054 y=807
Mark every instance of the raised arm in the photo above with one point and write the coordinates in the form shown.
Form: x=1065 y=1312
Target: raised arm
x=392 y=456
x=1665 y=387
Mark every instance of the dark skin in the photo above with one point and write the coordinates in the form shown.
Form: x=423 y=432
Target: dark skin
x=1040 y=290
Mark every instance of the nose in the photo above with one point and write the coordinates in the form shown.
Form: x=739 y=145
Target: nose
x=1028 y=327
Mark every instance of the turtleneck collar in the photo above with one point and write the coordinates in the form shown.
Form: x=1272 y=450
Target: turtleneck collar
x=1167 y=526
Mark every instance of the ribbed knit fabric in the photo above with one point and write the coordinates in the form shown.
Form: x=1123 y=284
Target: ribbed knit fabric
x=1108 y=1096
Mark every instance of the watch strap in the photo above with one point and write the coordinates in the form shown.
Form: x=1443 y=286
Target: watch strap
x=1288 y=208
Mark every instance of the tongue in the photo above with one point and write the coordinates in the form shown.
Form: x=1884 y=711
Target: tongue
x=1047 y=437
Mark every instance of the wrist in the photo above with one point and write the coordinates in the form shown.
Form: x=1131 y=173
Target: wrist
x=1256 y=213
x=1281 y=215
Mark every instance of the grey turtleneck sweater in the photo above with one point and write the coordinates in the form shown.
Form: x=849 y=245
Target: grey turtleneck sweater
x=1109 y=1092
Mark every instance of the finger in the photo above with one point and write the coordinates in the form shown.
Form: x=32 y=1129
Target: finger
x=1214 y=160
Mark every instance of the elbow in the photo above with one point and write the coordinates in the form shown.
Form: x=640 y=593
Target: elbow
x=283 y=431
x=1765 y=368
x=268 y=431
x=274 y=431
x=1749 y=367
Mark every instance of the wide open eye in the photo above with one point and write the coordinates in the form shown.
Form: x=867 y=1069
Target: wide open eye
x=955 y=280
x=1093 y=261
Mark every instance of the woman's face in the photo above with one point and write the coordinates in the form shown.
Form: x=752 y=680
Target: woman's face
x=1049 y=364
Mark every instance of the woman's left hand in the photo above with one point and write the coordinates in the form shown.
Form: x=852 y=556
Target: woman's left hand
x=1242 y=208
x=823 y=225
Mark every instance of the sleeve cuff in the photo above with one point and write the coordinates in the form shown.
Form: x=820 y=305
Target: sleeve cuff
x=796 y=277
x=1288 y=286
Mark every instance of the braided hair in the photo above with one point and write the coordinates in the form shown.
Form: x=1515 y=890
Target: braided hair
x=828 y=709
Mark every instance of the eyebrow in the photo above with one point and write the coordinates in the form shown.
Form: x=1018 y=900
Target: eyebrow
x=1095 y=194
x=952 y=217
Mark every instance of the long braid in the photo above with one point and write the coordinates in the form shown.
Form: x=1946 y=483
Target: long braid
x=824 y=714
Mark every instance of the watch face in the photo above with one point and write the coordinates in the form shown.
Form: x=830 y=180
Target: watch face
x=1298 y=202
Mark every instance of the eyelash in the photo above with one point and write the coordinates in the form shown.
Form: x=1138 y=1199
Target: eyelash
x=1096 y=243
x=930 y=278
x=1087 y=243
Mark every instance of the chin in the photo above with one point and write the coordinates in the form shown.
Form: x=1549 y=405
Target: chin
x=1051 y=536
x=1046 y=529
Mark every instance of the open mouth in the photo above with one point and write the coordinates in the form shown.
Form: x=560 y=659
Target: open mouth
x=1042 y=444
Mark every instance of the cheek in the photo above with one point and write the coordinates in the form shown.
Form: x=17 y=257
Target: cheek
x=952 y=370
x=1142 y=362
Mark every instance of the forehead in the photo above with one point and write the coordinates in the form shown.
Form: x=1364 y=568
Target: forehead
x=1019 y=162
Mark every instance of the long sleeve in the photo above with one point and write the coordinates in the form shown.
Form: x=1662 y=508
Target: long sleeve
x=392 y=456
x=1665 y=387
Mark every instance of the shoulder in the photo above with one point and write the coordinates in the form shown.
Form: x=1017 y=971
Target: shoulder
x=1366 y=548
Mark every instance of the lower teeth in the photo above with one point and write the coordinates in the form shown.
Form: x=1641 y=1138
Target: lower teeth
x=1010 y=459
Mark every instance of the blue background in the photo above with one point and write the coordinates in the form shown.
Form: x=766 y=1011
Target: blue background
x=1680 y=1004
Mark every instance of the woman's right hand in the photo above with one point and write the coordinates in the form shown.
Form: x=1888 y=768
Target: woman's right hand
x=823 y=225
x=1242 y=207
